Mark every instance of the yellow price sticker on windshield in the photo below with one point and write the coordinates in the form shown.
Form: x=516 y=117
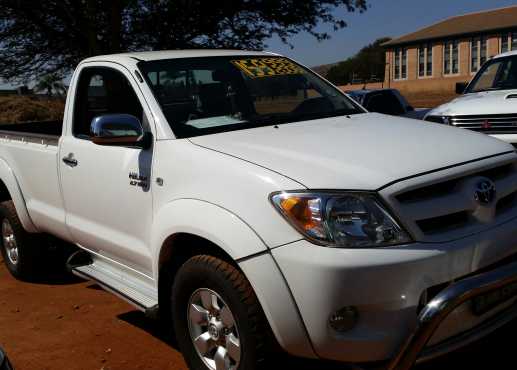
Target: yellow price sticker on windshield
x=268 y=67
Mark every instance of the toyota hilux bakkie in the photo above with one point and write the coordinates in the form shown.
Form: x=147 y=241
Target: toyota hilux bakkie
x=255 y=205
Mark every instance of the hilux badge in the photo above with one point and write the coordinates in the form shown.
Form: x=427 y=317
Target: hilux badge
x=485 y=191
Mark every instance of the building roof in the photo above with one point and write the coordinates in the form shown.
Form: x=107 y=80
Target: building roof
x=472 y=23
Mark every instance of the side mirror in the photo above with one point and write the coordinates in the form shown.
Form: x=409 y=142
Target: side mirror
x=461 y=87
x=119 y=130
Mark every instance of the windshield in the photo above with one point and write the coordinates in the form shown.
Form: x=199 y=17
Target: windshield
x=201 y=96
x=498 y=74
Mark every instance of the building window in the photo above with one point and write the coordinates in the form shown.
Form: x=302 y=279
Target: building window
x=508 y=42
x=451 y=58
x=425 y=60
x=400 y=64
x=478 y=52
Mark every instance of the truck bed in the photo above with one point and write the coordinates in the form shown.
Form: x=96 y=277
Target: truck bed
x=47 y=131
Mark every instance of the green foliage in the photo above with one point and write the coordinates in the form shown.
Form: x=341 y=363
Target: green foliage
x=52 y=36
x=368 y=63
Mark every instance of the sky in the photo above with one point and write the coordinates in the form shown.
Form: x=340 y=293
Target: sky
x=390 y=18
x=383 y=18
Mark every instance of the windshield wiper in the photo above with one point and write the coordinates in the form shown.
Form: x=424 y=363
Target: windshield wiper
x=491 y=89
x=268 y=119
x=321 y=115
x=499 y=87
x=273 y=119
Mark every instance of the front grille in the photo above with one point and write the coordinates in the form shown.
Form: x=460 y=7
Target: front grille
x=506 y=203
x=489 y=124
x=443 y=223
x=443 y=208
x=428 y=192
x=499 y=172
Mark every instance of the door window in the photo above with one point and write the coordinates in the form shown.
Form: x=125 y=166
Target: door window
x=101 y=91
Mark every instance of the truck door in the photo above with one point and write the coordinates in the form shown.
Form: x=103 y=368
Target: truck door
x=107 y=189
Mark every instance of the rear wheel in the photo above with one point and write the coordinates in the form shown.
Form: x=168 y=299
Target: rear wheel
x=218 y=321
x=18 y=248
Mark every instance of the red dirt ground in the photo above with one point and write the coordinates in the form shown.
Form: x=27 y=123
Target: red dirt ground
x=69 y=324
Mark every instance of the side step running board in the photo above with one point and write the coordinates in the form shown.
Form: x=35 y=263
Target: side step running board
x=82 y=265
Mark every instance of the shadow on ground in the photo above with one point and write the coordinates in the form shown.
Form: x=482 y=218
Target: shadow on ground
x=157 y=330
x=495 y=351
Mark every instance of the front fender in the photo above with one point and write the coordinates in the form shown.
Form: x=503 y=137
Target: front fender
x=9 y=179
x=238 y=240
x=206 y=220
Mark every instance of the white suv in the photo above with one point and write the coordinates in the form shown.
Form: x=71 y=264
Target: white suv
x=488 y=103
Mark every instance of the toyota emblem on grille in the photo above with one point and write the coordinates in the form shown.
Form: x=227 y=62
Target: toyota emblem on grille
x=485 y=191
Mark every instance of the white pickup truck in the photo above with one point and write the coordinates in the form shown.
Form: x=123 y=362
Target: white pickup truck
x=257 y=207
x=487 y=104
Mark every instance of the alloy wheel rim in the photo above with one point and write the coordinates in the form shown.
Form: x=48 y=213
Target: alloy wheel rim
x=9 y=241
x=213 y=330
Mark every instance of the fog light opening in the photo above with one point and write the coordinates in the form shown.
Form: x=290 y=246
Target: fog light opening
x=344 y=319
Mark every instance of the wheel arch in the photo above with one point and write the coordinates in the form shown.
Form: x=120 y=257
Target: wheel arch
x=210 y=223
x=184 y=228
x=10 y=190
x=178 y=249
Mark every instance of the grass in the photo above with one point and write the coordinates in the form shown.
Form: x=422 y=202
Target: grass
x=19 y=109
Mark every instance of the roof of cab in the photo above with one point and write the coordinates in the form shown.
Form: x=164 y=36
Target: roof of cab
x=174 y=54
x=507 y=54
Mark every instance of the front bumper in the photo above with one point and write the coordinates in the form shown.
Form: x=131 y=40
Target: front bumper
x=386 y=286
x=441 y=306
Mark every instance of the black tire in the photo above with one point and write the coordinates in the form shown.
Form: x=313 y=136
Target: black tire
x=206 y=272
x=27 y=262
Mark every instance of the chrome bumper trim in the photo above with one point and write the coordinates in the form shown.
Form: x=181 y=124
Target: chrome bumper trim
x=435 y=312
x=469 y=336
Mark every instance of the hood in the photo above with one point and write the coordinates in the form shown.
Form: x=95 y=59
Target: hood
x=482 y=103
x=363 y=152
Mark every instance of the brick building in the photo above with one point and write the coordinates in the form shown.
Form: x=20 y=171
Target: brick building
x=434 y=58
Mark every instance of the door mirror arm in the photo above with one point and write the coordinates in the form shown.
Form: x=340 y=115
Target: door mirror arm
x=146 y=142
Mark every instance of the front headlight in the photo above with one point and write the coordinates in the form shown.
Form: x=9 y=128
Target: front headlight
x=350 y=220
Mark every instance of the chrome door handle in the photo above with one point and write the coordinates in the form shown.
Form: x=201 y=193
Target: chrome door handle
x=70 y=160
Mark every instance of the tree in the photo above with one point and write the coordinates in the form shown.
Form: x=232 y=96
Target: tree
x=369 y=62
x=42 y=37
x=51 y=83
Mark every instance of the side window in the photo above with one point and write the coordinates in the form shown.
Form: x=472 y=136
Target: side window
x=488 y=78
x=102 y=91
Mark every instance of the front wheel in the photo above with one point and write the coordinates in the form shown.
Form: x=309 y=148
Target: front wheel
x=218 y=321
